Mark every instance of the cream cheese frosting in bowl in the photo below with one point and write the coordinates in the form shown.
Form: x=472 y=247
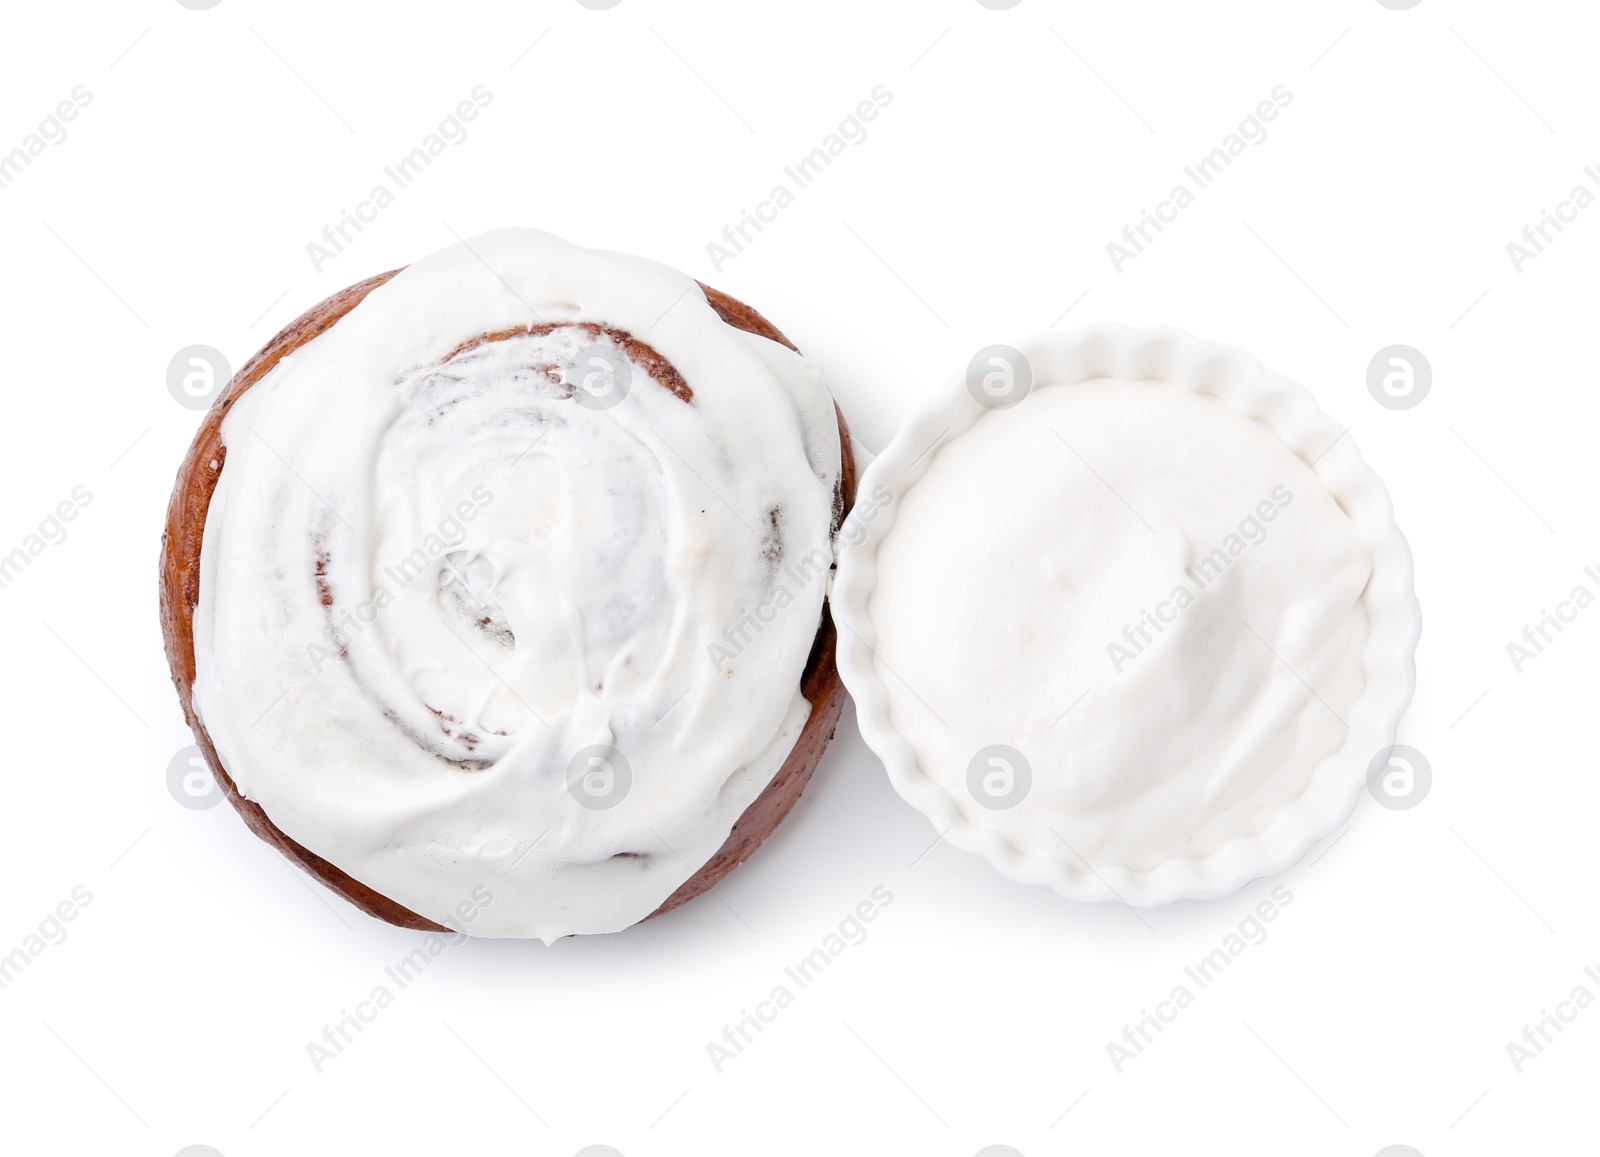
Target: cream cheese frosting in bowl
x=509 y=580
x=1132 y=616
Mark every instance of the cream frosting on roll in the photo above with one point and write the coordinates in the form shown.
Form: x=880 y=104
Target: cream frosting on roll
x=494 y=600
x=1142 y=592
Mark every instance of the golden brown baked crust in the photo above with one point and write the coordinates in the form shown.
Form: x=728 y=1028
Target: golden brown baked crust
x=180 y=591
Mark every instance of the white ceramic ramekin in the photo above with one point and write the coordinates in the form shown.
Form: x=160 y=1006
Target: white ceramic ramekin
x=1238 y=379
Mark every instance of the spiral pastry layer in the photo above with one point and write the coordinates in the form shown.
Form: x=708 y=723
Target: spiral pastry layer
x=510 y=585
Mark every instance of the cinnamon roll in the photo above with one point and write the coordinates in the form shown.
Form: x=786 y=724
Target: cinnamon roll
x=493 y=587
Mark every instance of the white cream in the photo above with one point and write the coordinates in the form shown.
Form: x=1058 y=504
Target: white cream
x=516 y=578
x=1144 y=592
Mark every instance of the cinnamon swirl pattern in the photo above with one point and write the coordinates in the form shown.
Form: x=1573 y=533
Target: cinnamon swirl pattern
x=467 y=575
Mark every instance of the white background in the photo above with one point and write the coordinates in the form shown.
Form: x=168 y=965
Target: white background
x=218 y=143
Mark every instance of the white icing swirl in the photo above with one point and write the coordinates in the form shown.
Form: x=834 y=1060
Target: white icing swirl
x=436 y=583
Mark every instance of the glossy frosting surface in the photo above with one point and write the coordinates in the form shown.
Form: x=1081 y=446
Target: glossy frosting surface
x=1144 y=594
x=525 y=614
